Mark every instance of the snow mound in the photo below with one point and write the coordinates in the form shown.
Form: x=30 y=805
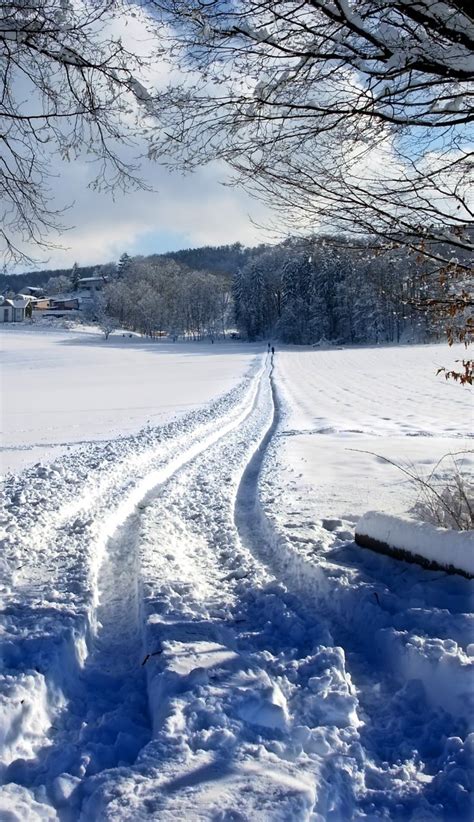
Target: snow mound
x=17 y=804
x=419 y=542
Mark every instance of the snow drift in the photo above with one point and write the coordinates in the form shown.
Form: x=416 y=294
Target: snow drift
x=432 y=547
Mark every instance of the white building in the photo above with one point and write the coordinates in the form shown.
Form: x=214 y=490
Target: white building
x=13 y=310
x=91 y=283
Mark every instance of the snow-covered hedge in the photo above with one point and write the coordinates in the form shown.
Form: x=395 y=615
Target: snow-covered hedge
x=435 y=548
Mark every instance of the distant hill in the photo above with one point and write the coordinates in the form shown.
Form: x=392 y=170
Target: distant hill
x=224 y=259
x=15 y=282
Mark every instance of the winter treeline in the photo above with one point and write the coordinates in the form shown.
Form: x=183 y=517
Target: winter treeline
x=163 y=297
x=300 y=291
x=305 y=292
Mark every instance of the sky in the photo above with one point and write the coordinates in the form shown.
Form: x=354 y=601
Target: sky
x=180 y=211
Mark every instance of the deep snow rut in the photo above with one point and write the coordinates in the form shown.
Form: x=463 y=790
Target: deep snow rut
x=230 y=650
x=255 y=715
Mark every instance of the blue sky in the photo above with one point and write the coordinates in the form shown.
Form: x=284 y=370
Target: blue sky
x=181 y=212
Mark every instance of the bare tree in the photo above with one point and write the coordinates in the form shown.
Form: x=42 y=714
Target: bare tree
x=58 y=285
x=97 y=311
x=162 y=297
x=350 y=115
x=364 y=104
x=68 y=85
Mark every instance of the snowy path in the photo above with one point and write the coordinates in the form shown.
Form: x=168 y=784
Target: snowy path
x=256 y=713
x=226 y=641
x=266 y=701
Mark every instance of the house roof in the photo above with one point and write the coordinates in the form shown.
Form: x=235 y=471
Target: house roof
x=15 y=303
x=91 y=280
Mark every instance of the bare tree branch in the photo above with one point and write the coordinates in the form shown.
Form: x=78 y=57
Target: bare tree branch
x=68 y=86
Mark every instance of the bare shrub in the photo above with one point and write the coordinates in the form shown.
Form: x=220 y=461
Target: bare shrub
x=446 y=496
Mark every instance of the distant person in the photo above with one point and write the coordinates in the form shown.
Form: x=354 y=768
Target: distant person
x=273 y=350
x=269 y=346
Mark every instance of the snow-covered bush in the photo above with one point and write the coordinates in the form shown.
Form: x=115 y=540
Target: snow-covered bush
x=446 y=496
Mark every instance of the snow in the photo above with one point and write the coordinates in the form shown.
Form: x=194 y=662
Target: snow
x=189 y=630
x=446 y=548
x=340 y=403
x=63 y=388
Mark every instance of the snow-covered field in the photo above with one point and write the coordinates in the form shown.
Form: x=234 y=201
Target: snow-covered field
x=189 y=630
x=63 y=388
x=387 y=401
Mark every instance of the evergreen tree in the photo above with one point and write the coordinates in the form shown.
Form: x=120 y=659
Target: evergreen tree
x=308 y=290
x=124 y=266
x=75 y=277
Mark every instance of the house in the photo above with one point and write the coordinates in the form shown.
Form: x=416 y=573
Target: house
x=33 y=291
x=57 y=306
x=13 y=310
x=41 y=304
x=91 y=283
x=64 y=303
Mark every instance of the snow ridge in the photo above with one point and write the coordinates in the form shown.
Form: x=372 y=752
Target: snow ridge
x=426 y=544
x=52 y=613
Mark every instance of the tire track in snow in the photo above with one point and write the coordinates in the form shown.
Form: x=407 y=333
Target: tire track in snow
x=396 y=759
x=242 y=668
x=229 y=649
x=92 y=730
x=240 y=659
x=296 y=699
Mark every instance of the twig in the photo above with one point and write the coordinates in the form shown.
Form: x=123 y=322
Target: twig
x=418 y=479
x=154 y=653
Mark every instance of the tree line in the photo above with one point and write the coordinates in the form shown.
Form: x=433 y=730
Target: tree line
x=300 y=291
x=306 y=291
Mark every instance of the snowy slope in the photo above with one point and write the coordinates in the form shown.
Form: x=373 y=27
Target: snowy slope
x=63 y=388
x=190 y=632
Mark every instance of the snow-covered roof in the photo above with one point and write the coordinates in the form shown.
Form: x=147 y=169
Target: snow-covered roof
x=16 y=303
x=91 y=280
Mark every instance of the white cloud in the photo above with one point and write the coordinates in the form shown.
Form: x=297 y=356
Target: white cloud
x=196 y=208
